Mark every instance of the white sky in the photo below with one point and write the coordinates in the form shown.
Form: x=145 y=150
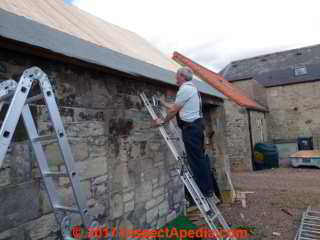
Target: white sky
x=212 y=32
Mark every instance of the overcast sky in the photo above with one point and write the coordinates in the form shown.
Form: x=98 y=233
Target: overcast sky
x=215 y=32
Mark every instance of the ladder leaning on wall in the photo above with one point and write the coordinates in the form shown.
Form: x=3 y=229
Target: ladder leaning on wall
x=207 y=206
x=16 y=95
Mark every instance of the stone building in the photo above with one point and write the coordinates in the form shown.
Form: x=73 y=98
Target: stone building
x=287 y=83
x=97 y=69
x=245 y=123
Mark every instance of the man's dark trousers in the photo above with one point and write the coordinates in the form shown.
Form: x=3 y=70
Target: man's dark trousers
x=193 y=138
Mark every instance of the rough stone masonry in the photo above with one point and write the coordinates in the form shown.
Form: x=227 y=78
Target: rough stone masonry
x=127 y=172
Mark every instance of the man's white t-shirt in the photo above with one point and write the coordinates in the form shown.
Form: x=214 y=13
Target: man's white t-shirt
x=190 y=100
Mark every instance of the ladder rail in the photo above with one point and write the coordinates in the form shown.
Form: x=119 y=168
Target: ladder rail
x=309 y=230
x=181 y=144
x=195 y=195
x=13 y=114
x=64 y=147
x=165 y=135
x=161 y=129
x=202 y=203
x=173 y=129
x=16 y=95
x=40 y=154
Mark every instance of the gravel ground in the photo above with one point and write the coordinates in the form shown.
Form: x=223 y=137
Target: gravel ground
x=275 y=190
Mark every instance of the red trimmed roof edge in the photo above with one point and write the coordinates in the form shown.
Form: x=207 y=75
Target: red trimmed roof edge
x=218 y=82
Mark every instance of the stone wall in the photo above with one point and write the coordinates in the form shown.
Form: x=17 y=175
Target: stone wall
x=238 y=137
x=215 y=142
x=124 y=167
x=294 y=111
x=219 y=142
x=254 y=90
x=127 y=172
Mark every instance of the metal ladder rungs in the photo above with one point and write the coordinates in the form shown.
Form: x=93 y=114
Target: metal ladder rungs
x=16 y=95
x=207 y=208
x=311 y=237
x=55 y=174
x=311 y=221
x=214 y=217
x=67 y=209
x=201 y=198
x=204 y=204
x=313 y=211
x=311 y=224
x=173 y=138
x=44 y=138
x=311 y=231
x=314 y=236
x=309 y=228
x=312 y=218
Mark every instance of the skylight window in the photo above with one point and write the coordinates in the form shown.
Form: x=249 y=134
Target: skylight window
x=298 y=71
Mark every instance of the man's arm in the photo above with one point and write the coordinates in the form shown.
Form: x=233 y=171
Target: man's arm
x=182 y=97
x=166 y=104
x=172 y=111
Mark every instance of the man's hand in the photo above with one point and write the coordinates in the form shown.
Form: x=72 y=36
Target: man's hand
x=162 y=99
x=157 y=122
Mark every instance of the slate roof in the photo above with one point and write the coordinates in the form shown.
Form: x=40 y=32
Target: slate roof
x=278 y=62
x=288 y=76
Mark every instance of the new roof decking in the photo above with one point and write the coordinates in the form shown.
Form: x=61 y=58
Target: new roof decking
x=23 y=30
x=218 y=82
x=72 y=20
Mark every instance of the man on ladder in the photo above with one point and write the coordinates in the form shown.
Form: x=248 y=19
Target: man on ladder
x=188 y=111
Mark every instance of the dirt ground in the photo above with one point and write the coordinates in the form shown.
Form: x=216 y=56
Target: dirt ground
x=277 y=193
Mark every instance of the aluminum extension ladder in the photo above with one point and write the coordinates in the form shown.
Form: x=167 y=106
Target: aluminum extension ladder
x=207 y=206
x=310 y=225
x=17 y=96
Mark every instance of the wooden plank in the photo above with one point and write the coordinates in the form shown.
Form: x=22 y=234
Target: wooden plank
x=306 y=153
